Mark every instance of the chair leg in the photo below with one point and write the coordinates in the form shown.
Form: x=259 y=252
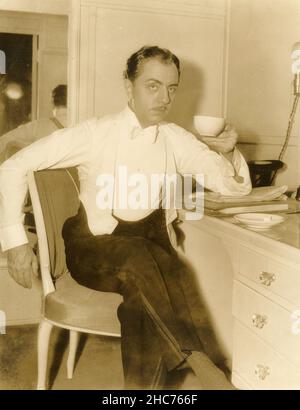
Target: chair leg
x=74 y=339
x=44 y=333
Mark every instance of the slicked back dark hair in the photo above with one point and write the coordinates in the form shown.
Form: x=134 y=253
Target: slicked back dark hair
x=59 y=95
x=136 y=60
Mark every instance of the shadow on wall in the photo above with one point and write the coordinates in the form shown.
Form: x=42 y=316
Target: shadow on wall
x=189 y=95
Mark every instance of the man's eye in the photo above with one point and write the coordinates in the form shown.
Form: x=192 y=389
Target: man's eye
x=172 y=90
x=153 y=87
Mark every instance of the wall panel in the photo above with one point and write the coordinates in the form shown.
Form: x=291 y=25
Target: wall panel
x=111 y=31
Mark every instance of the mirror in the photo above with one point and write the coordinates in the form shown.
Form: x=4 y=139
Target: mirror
x=36 y=53
x=16 y=85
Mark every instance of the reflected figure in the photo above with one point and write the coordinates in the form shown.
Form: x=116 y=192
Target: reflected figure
x=26 y=134
x=16 y=85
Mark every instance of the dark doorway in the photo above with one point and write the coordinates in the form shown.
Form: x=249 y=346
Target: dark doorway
x=16 y=85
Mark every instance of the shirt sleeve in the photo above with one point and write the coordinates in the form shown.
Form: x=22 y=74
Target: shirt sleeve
x=17 y=135
x=64 y=148
x=194 y=157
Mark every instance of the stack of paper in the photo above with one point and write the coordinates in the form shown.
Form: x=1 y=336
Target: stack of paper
x=261 y=199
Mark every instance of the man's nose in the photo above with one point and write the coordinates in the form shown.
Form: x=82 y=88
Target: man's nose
x=164 y=95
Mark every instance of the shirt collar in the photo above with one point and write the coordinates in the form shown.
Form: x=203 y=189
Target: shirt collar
x=61 y=114
x=134 y=129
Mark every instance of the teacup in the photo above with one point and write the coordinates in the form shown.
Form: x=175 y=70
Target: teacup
x=209 y=126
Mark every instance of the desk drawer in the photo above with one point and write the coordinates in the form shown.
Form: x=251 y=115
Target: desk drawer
x=259 y=365
x=268 y=320
x=270 y=274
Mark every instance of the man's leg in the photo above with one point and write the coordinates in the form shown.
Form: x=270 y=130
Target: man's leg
x=142 y=357
x=125 y=266
x=144 y=270
x=207 y=373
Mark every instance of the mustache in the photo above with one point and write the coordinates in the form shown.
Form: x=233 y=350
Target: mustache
x=160 y=108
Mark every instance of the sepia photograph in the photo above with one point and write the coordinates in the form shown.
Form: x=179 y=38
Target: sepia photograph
x=150 y=197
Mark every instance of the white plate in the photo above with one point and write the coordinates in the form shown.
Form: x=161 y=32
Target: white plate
x=259 y=220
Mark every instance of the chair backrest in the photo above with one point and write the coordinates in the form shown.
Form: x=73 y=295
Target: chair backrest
x=54 y=197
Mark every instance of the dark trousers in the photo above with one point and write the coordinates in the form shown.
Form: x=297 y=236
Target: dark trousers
x=138 y=261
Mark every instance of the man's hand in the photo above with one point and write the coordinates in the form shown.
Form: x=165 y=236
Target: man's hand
x=224 y=142
x=22 y=263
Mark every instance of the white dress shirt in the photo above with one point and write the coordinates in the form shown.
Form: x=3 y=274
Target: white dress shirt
x=98 y=146
x=138 y=158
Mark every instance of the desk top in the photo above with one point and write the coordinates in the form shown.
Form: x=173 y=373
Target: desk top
x=288 y=232
x=282 y=239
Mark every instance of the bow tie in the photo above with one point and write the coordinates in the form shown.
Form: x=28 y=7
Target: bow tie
x=149 y=133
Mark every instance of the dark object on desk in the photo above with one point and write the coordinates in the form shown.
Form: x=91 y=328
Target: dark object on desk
x=297 y=197
x=262 y=172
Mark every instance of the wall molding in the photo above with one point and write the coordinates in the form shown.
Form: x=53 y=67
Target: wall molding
x=266 y=140
x=53 y=51
x=11 y=22
x=90 y=12
x=59 y=7
x=192 y=8
x=73 y=62
x=26 y=321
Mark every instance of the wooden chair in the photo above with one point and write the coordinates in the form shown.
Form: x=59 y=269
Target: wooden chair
x=66 y=304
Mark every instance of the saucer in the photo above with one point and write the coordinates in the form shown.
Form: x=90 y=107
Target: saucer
x=259 y=221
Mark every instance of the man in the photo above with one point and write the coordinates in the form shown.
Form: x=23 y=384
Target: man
x=26 y=134
x=128 y=249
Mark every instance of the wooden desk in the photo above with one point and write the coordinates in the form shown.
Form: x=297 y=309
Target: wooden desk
x=250 y=282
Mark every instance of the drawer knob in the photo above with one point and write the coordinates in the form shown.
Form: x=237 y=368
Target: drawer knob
x=262 y=371
x=259 y=321
x=266 y=278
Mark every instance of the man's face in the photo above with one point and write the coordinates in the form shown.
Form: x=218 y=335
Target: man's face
x=152 y=93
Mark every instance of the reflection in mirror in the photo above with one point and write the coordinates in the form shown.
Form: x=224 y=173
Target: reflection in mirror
x=33 y=90
x=16 y=86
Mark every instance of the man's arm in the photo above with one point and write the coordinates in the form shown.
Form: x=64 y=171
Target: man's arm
x=225 y=145
x=64 y=148
x=224 y=168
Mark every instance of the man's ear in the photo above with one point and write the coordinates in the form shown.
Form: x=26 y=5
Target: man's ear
x=128 y=88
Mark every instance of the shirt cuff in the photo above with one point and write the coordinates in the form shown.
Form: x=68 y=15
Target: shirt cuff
x=232 y=168
x=12 y=236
